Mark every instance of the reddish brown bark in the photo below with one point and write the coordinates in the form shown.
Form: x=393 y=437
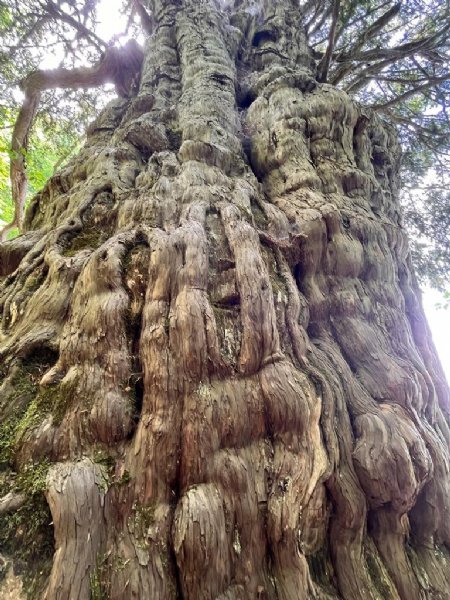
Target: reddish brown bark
x=231 y=376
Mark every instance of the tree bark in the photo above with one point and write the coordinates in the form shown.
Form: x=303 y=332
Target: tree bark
x=213 y=340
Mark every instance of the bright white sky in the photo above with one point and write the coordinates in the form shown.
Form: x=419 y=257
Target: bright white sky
x=111 y=23
x=439 y=322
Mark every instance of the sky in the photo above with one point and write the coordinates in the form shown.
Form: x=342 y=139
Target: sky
x=439 y=322
x=110 y=22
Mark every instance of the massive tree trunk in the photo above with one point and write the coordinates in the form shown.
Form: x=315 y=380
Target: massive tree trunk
x=217 y=374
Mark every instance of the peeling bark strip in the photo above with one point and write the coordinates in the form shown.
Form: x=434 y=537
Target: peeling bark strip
x=212 y=332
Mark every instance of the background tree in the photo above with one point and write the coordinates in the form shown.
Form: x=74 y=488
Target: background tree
x=34 y=33
x=217 y=374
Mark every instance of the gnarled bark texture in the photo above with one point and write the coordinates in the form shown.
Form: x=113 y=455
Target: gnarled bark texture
x=213 y=340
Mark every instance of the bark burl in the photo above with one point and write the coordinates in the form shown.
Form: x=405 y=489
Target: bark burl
x=217 y=374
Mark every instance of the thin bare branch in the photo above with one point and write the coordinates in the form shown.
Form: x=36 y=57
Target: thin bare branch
x=59 y=14
x=321 y=21
x=374 y=29
x=412 y=92
x=397 y=52
x=324 y=65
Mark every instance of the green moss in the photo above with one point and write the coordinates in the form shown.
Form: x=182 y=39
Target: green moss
x=35 y=580
x=31 y=419
x=22 y=391
x=99 y=583
x=19 y=407
x=278 y=284
x=259 y=217
x=100 y=577
x=34 y=281
x=141 y=519
x=277 y=280
x=32 y=479
x=90 y=237
x=321 y=569
x=7 y=440
x=102 y=457
x=56 y=399
x=97 y=589
x=174 y=135
x=167 y=325
x=30 y=406
x=27 y=534
x=378 y=576
x=52 y=399
x=145 y=517
x=37 y=410
x=418 y=566
x=126 y=478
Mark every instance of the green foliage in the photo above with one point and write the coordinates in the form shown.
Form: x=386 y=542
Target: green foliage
x=6 y=206
x=45 y=35
x=427 y=215
x=51 y=145
x=445 y=304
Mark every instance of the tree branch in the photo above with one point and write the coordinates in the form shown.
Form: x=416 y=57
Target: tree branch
x=59 y=14
x=383 y=57
x=146 y=20
x=322 y=20
x=120 y=66
x=364 y=76
x=426 y=43
x=373 y=29
x=19 y=147
x=11 y=502
x=324 y=65
x=416 y=90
